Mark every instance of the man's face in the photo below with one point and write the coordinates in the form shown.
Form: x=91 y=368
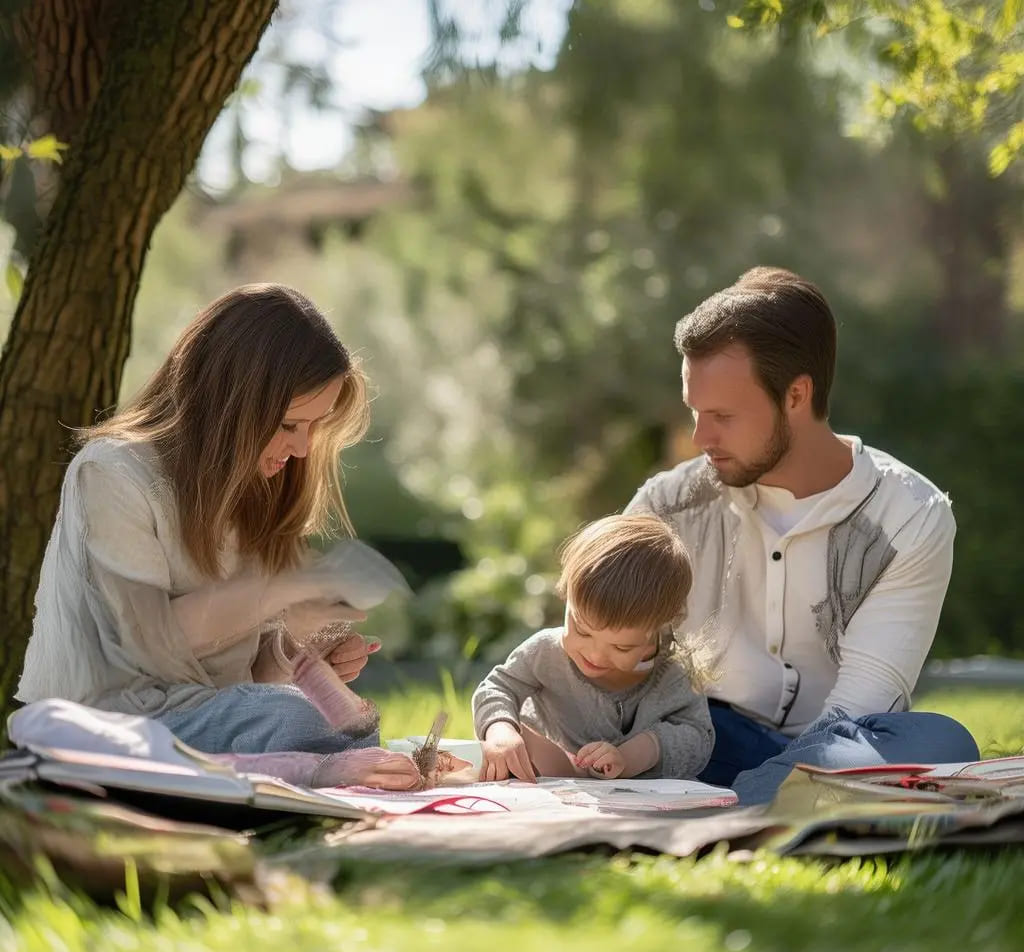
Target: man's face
x=737 y=425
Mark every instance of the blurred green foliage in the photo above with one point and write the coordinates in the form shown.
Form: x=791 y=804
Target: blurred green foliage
x=516 y=312
x=952 y=67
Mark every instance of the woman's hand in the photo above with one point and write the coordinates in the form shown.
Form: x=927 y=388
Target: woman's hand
x=350 y=656
x=304 y=619
x=317 y=624
x=505 y=753
x=367 y=767
x=601 y=759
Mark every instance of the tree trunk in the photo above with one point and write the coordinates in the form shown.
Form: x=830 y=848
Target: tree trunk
x=66 y=46
x=967 y=235
x=170 y=65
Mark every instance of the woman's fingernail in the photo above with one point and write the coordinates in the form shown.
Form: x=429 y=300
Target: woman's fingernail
x=372 y=645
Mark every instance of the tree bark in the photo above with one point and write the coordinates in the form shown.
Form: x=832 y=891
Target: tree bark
x=968 y=238
x=169 y=66
x=65 y=44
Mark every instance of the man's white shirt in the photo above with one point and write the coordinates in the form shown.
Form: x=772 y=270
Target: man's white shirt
x=816 y=603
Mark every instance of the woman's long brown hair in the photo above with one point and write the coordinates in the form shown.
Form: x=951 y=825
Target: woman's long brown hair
x=216 y=403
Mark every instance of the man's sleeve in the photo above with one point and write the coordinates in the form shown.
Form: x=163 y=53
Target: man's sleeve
x=889 y=636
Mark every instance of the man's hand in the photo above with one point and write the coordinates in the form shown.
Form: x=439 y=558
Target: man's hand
x=601 y=759
x=505 y=753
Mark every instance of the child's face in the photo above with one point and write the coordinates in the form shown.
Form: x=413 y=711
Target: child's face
x=602 y=651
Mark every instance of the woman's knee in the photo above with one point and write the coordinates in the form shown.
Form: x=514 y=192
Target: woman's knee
x=296 y=724
x=257 y=718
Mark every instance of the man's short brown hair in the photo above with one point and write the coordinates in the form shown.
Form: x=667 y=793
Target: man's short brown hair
x=784 y=322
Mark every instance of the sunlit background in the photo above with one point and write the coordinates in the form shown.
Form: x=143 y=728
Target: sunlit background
x=504 y=216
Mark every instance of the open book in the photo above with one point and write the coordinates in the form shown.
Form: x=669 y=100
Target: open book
x=141 y=781
x=638 y=796
x=159 y=784
x=1000 y=778
x=137 y=780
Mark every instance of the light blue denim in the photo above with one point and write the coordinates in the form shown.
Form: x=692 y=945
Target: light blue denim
x=258 y=718
x=836 y=741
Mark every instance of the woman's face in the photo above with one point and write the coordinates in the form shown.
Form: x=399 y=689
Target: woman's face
x=292 y=436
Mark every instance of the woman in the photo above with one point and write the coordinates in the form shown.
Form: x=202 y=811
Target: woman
x=178 y=564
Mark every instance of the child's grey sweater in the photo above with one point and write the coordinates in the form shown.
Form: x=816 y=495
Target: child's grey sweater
x=540 y=687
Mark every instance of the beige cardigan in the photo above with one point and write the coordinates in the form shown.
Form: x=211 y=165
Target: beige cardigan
x=104 y=632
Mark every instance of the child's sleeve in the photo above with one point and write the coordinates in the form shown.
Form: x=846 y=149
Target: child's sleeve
x=500 y=696
x=685 y=735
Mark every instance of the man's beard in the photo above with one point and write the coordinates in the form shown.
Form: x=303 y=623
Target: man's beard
x=774 y=450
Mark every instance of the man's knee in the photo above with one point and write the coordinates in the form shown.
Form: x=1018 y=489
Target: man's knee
x=925 y=736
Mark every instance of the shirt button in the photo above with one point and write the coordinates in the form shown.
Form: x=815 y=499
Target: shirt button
x=774 y=649
x=776 y=555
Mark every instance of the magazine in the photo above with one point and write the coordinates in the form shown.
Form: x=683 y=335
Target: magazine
x=999 y=778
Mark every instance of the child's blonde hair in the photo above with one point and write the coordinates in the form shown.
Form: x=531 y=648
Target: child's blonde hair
x=626 y=572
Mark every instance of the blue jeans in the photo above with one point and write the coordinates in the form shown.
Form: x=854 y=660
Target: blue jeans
x=257 y=719
x=754 y=759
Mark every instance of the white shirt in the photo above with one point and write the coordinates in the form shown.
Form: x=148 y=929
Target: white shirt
x=781 y=510
x=839 y=610
x=104 y=633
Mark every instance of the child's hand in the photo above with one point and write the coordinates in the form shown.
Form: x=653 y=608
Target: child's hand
x=602 y=759
x=505 y=753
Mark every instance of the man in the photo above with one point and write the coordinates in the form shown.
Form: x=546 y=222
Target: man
x=820 y=564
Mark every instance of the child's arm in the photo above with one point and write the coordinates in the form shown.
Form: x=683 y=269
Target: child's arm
x=685 y=737
x=501 y=695
x=496 y=706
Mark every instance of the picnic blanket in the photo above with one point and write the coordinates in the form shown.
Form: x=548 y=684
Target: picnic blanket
x=186 y=820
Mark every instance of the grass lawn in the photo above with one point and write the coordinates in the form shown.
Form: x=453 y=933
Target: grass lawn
x=933 y=902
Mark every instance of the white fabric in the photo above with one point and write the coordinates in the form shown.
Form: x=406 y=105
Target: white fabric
x=65 y=725
x=104 y=633
x=764 y=617
x=781 y=510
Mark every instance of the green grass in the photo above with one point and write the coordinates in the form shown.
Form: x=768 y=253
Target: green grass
x=950 y=900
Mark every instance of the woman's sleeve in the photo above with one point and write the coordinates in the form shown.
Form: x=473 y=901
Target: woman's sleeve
x=127 y=568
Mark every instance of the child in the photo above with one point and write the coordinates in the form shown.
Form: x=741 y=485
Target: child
x=609 y=693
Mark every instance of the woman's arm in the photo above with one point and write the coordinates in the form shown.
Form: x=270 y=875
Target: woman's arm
x=214 y=617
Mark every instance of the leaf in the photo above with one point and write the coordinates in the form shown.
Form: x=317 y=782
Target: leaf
x=46 y=148
x=9 y=152
x=1007 y=152
x=14 y=280
x=1010 y=17
x=249 y=88
x=734 y=21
